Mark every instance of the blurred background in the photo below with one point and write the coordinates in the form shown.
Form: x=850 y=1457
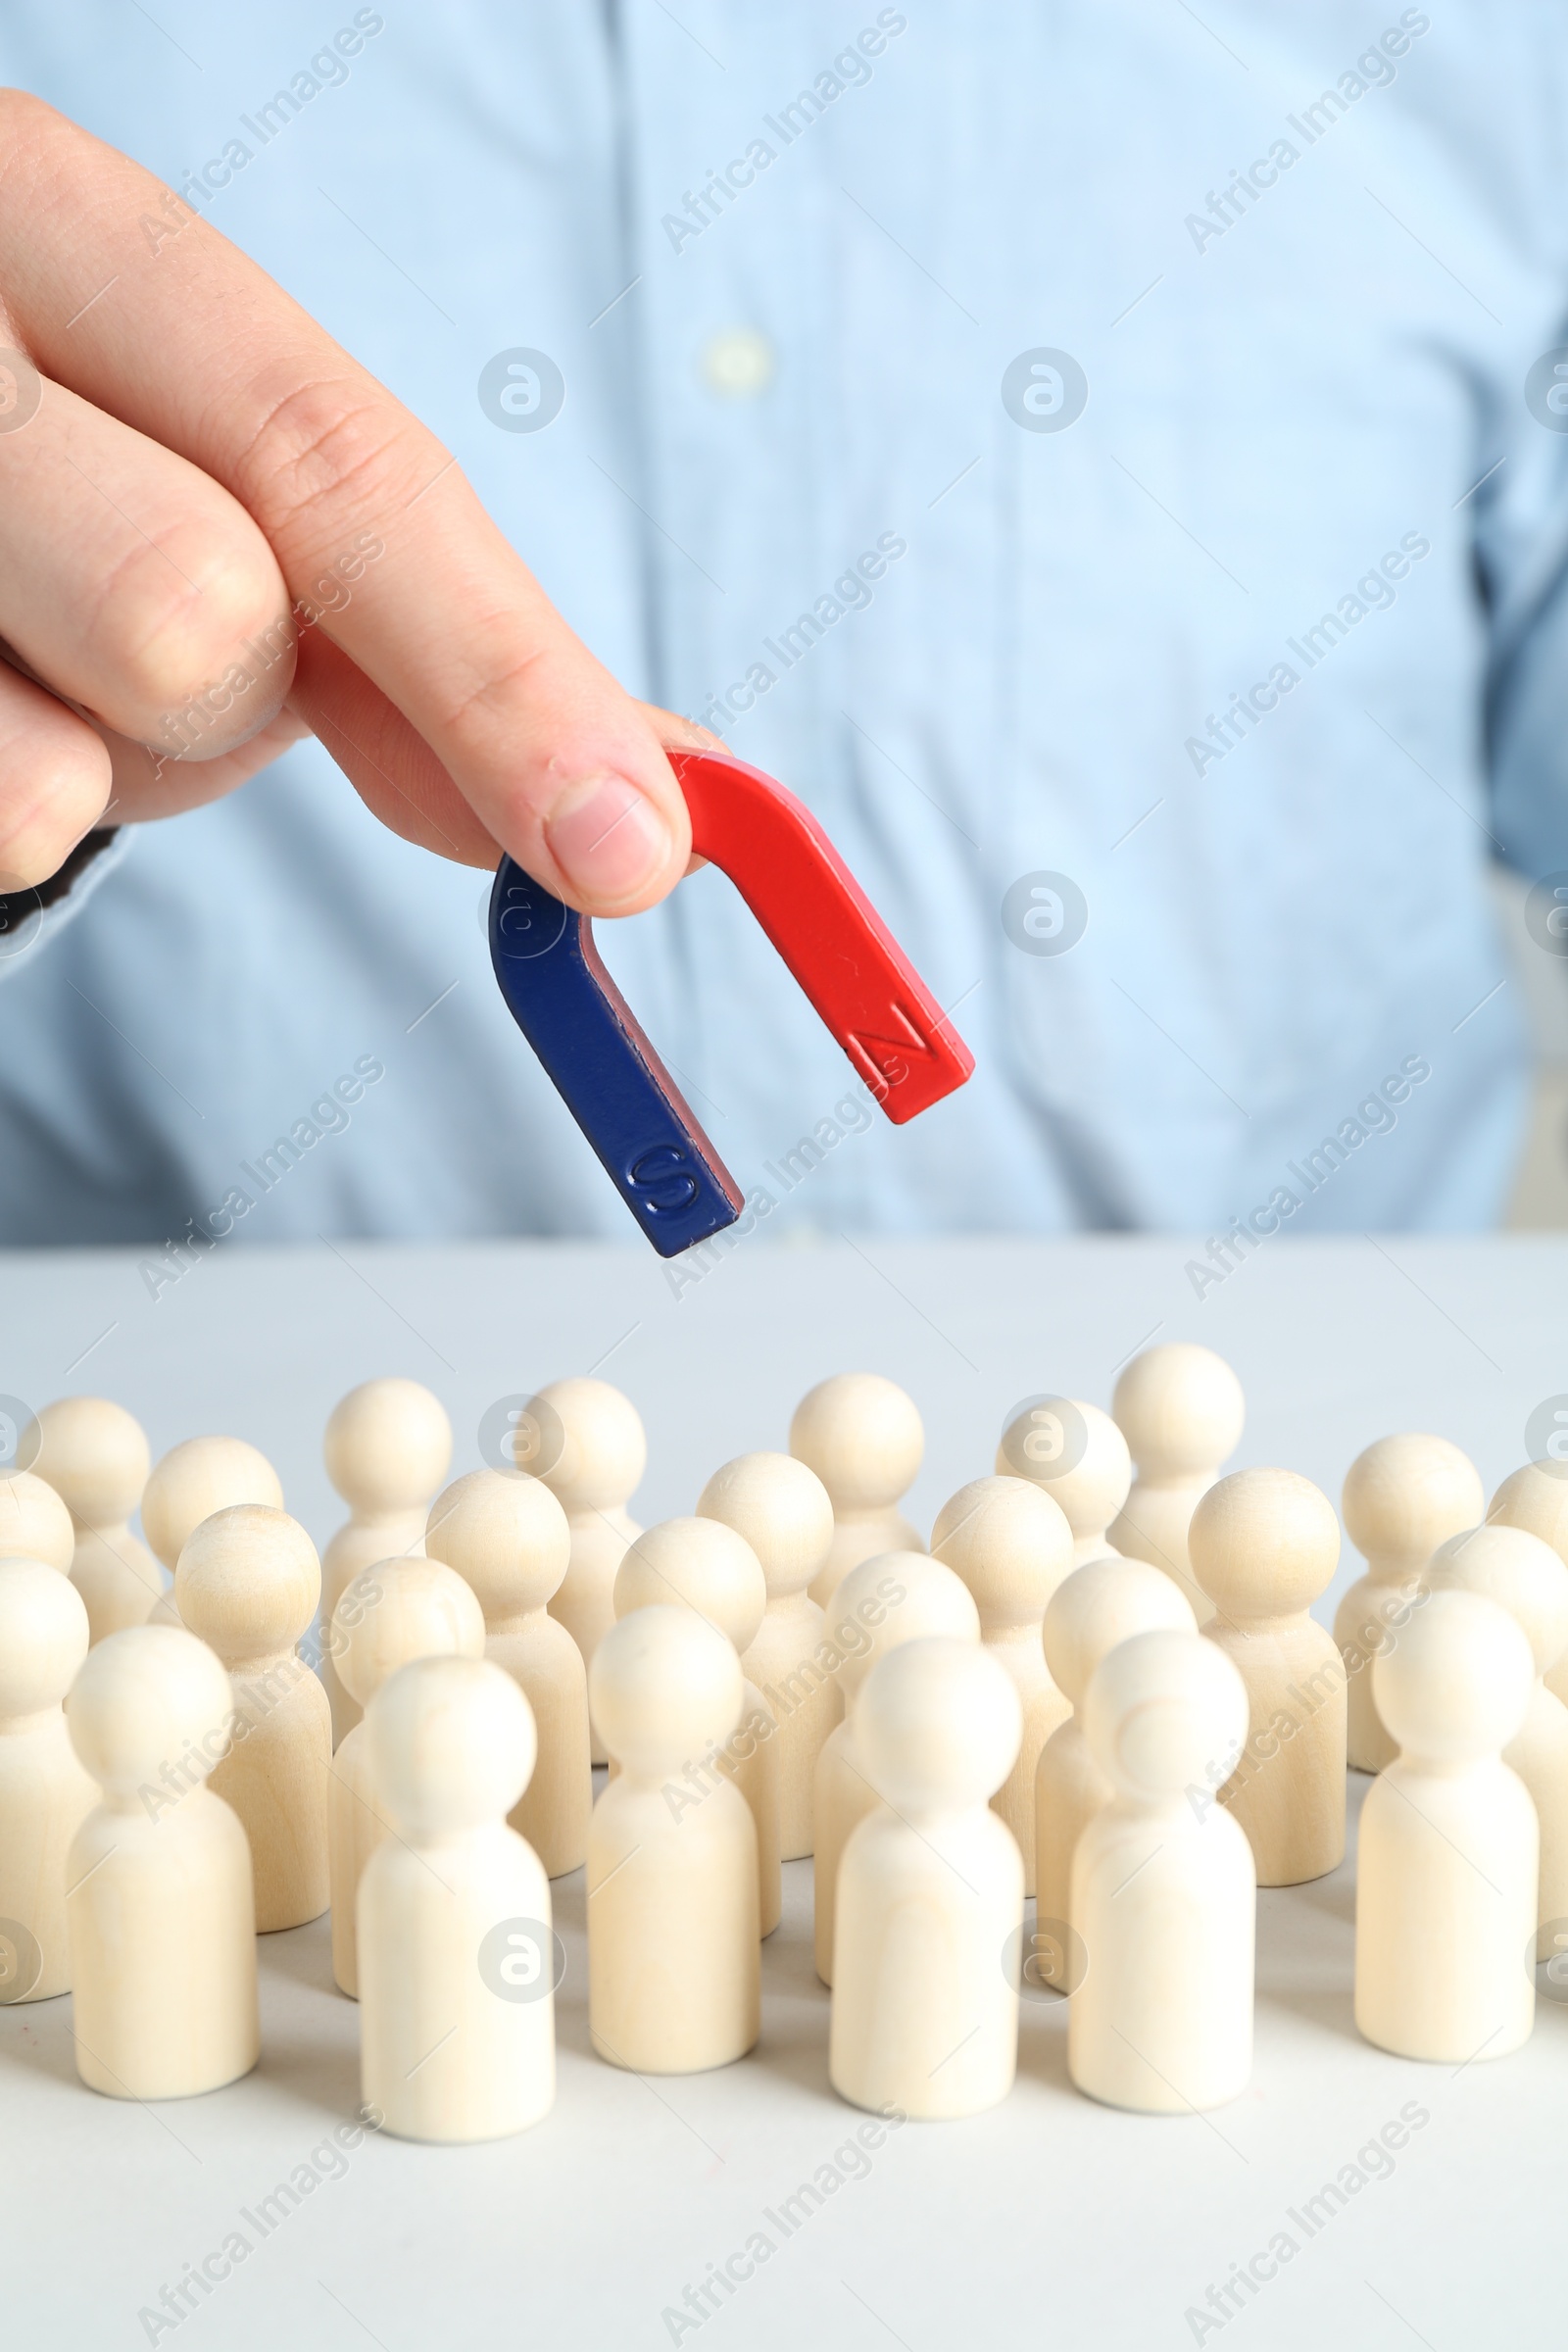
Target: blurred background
x=1110 y=460
x=1541 y=1188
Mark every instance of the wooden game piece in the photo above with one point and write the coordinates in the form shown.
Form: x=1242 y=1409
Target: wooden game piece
x=673 y=1970
x=1079 y=1456
x=35 y=1524
x=591 y=1453
x=159 y=1909
x=1181 y=1409
x=45 y=1796
x=387 y=1447
x=897 y=1597
x=1449 y=1849
x=1263 y=1545
x=1524 y=1576
x=248 y=1583
x=456 y=1941
x=1164 y=1890
x=95 y=1456
x=1536 y=1499
x=930 y=1890
x=863 y=1438
x=191 y=1482
x=782 y=1509
x=1099 y=1606
x=1012 y=1545
x=702 y=1564
x=1402 y=1497
x=508 y=1539
x=387 y=1615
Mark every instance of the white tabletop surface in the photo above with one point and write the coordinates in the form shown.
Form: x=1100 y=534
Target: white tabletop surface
x=1083 y=2227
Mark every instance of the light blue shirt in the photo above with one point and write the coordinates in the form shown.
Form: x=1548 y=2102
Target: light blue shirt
x=1073 y=441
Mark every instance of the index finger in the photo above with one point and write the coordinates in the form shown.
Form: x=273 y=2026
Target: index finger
x=119 y=291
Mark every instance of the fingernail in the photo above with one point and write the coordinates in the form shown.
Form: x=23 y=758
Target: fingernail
x=607 y=837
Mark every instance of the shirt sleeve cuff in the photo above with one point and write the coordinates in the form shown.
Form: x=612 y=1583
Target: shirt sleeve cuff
x=30 y=918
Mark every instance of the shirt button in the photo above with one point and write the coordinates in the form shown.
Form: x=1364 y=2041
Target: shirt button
x=738 y=363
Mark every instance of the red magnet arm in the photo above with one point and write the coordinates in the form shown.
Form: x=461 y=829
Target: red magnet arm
x=827 y=931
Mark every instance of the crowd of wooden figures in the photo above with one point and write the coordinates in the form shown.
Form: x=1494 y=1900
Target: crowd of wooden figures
x=1101 y=1690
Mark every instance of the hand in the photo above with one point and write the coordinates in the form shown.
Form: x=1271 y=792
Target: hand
x=218 y=533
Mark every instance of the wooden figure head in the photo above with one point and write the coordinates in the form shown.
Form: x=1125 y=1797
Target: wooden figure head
x=664 y=1686
x=1520 y=1573
x=451 y=1745
x=1407 y=1494
x=35 y=1524
x=863 y=1438
x=398 y=1610
x=248 y=1582
x=697 y=1564
x=1165 y=1712
x=1077 y=1453
x=150 y=1698
x=600 y=1444
x=938 y=1725
x=1101 y=1604
x=96 y=1457
x=44 y=1637
x=1456 y=1685
x=1263 y=1544
x=894 y=1597
x=387 y=1445
x=1181 y=1409
x=782 y=1509
x=1011 y=1543
x=506 y=1536
x=194 y=1480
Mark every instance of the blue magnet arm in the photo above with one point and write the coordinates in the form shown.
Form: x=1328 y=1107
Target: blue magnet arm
x=618 y=1089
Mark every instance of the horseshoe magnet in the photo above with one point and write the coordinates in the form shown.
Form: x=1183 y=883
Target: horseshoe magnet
x=824 y=927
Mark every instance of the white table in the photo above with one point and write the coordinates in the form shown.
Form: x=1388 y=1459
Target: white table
x=1050 y=2215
